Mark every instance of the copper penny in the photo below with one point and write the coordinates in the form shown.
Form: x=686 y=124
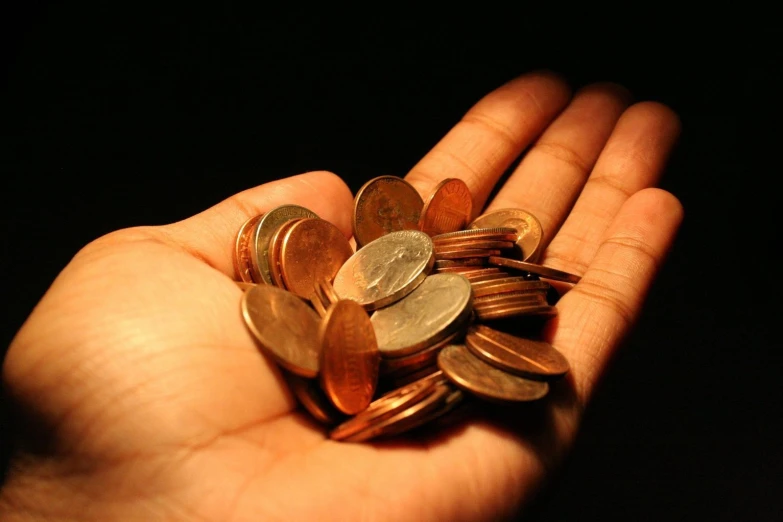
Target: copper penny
x=522 y=356
x=482 y=379
x=405 y=419
x=285 y=327
x=504 y=311
x=494 y=234
x=487 y=276
x=382 y=205
x=509 y=298
x=242 y=259
x=448 y=209
x=529 y=230
x=532 y=268
x=349 y=357
x=449 y=263
x=328 y=294
x=312 y=399
x=273 y=252
x=386 y=406
x=507 y=284
x=261 y=234
x=465 y=253
x=312 y=250
x=481 y=244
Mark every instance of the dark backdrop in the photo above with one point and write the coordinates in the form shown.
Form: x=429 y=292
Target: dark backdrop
x=120 y=115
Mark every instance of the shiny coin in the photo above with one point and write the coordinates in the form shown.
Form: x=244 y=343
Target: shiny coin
x=528 y=228
x=261 y=234
x=406 y=419
x=349 y=357
x=436 y=308
x=242 y=259
x=448 y=209
x=452 y=263
x=313 y=400
x=273 y=252
x=503 y=311
x=402 y=365
x=493 y=234
x=527 y=298
x=539 y=270
x=285 y=327
x=382 y=205
x=464 y=253
x=473 y=244
x=385 y=270
x=386 y=406
x=482 y=379
x=525 y=357
x=312 y=250
x=508 y=284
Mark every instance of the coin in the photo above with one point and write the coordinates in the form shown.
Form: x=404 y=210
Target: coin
x=517 y=298
x=539 y=270
x=386 y=406
x=505 y=310
x=349 y=357
x=482 y=379
x=465 y=253
x=481 y=244
x=528 y=227
x=262 y=232
x=382 y=205
x=313 y=400
x=525 y=357
x=437 y=307
x=273 y=251
x=406 y=419
x=242 y=252
x=395 y=366
x=448 y=209
x=507 y=284
x=494 y=233
x=245 y=286
x=285 y=327
x=386 y=269
x=312 y=250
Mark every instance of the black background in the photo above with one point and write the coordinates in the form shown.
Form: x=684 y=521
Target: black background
x=117 y=115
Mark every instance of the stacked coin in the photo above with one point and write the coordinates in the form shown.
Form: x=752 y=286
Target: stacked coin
x=394 y=335
x=290 y=247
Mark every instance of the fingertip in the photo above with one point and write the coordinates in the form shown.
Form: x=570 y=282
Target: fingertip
x=656 y=203
x=660 y=113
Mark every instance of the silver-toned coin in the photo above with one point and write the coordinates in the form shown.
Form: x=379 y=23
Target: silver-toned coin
x=285 y=327
x=385 y=270
x=262 y=232
x=437 y=307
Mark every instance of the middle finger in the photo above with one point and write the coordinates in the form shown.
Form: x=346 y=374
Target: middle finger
x=491 y=135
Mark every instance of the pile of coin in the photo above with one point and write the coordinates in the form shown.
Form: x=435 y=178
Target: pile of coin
x=421 y=317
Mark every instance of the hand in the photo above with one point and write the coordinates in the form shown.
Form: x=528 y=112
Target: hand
x=145 y=397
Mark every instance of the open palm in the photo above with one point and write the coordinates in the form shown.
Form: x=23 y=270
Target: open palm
x=145 y=397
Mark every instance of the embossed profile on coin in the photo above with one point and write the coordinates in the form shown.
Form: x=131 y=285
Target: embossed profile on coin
x=385 y=204
x=386 y=269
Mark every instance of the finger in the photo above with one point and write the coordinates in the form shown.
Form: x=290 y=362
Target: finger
x=554 y=170
x=210 y=235
x=596 y=314
x=491 y=136
x=634 y=158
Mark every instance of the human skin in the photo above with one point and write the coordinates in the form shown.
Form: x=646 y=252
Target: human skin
x=140 y=394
